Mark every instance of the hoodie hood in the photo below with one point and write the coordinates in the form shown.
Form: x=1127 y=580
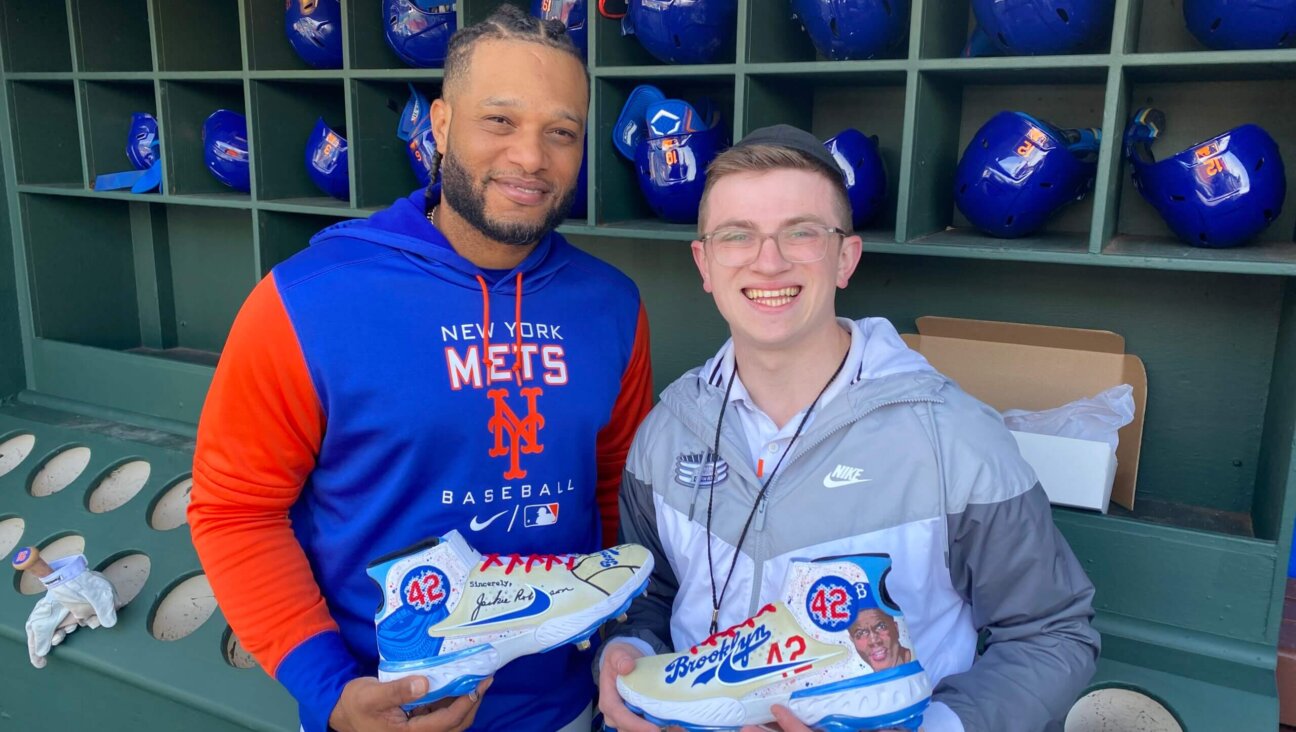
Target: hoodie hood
x=404 y=226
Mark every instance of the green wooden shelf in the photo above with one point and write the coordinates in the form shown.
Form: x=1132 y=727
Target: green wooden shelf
x=125 y=300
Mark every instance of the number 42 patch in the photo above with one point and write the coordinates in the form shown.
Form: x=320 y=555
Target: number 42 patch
x=425 y=589
x=831 y=603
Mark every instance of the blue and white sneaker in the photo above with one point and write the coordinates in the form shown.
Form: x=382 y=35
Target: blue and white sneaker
x=455 y=616
x=835 y=650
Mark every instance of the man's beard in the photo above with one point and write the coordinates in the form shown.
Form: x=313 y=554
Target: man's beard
x=469 y=201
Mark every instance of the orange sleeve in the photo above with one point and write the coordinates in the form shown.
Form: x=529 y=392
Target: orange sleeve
x=632 y=405
x=258 y=439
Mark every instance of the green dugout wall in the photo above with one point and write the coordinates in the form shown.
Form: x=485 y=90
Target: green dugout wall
x=113 y=306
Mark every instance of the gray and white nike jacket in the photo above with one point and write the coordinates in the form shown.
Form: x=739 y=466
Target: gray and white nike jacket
x=936 y=482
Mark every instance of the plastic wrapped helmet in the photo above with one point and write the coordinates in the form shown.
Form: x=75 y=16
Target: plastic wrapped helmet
x=671 y=145
x=1220 y=192
x=862 y=171
x=1018 y=170
x=225 y=149
x=1228 y=25
x=854 y=29
x=1042 y=27
x=326 y=161
x=682 y=31
x=419 y=30
x=314 y=28
x=571 y=13
x=415 y=128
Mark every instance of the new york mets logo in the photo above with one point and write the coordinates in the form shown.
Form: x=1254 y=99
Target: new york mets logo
x=522 y=433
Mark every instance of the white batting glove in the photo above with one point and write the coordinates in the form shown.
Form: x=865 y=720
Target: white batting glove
x=90 y=597
x=43 y=629
x=74 y=597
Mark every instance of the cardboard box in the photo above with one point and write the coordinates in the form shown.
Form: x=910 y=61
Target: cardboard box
x=1036 y=367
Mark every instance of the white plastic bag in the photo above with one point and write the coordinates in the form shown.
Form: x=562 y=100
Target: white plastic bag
x=1095 y=418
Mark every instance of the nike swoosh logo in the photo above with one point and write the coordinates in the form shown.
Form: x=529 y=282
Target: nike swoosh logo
x=476 y=525
x=727 y=674
x=831 y=482
x=539 y=604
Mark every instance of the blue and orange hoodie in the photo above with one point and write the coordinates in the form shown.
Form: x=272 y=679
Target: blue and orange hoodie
x=378 y=389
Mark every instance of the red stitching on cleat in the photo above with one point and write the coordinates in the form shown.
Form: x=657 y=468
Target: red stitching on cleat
x=527 y=561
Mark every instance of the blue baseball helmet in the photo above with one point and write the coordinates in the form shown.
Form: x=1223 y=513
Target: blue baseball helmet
x=140 y=147
x=225 y=149
x=1220 y=192
x=1228 y=25
x=419 y=30
x=326 y=161
x=1041 y=27
x=415 y=128
x=571 y=13
x=862 y=171
x=671 y=145
x=1018 y=170
x=682 y=31
x=314 y=28
x=854 y=29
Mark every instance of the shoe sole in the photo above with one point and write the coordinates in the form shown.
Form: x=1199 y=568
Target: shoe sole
x=831 y=708
x=458 y=673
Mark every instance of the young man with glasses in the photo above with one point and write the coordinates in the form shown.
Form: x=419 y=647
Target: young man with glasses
x=811 y=436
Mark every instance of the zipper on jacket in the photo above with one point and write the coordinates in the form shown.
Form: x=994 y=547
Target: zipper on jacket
x=759 y=522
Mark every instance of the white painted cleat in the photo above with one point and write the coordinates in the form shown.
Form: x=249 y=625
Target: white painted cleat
x=455 y=616
x=834 y=649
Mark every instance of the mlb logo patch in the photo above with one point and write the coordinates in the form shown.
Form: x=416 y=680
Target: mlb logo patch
x=540 y=514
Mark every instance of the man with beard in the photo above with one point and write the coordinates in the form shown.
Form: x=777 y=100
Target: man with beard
x=450 y=363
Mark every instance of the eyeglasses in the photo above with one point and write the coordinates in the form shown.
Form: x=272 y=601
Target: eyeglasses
x=797 y=244
x=880 y=629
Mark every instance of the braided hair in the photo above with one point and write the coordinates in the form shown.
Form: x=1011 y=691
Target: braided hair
x=508 y=22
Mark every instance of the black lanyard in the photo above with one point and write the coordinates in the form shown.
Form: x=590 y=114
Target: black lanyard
x=715 y=457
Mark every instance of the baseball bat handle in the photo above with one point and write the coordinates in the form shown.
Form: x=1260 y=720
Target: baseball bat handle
x=29 y=558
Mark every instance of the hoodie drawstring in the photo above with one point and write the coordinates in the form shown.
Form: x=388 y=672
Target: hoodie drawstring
x=517 y=330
